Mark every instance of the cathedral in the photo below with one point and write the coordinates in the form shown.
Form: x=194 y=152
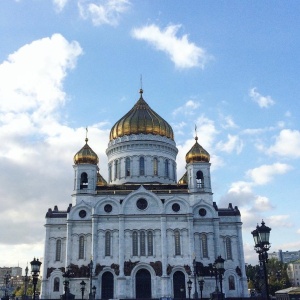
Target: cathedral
x=142 y=233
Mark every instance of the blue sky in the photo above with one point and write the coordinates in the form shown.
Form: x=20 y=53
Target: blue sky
x=230 y=67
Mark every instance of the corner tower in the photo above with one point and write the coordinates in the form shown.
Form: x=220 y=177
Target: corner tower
x=141 y=148
x=198 y=169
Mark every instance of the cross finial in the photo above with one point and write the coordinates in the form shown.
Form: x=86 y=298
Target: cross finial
x=196 y=134
x=86 y=133
x=141 y=82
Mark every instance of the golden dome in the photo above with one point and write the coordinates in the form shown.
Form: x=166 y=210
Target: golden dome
x=141 y=119
x=86 y=155
x=100 y=180
x=183 y=179
x=197 y=154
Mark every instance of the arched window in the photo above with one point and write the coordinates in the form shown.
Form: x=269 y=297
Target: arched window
x=58 y=250
x=150 y=243
x=231 y=283
x=174 y=171
x=107 y=244
x=109 y=173
x=177 y=242
x=56 y=284
x=116 y=169
x=199 y=180
x=167 y=168
x=204 y=246
x=135 y=243
x=142 y=243
x=142 y=166
x=81 y=247
x=83 y=181
x=228 y=248
x=127 y=166
x=155 y=166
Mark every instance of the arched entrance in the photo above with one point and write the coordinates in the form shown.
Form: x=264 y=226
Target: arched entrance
x=107 y=286
x=178 y=285
x=143 y=284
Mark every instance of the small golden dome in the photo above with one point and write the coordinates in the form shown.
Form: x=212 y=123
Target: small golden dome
x=197 y=154
x=100 y=180
x=141 y=119
x=86 y=155
x=183 y=179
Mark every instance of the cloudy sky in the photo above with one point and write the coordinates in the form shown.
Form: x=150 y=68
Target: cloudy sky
x=230 y=67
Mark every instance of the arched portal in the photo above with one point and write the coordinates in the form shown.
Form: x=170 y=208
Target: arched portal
x=107 y=286
x=179 y=285
x=143 y=284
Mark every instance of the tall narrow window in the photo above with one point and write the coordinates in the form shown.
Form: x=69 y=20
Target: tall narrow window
x=150 y=243
x=83 y=180
x=109 y=173
x=135 y=243
x=127 y=166
x=58 y=250
x=228 y=248
x=174 y=171
x=56 y=284
x=107 y=244
x=155 y=166
x=142 y=243
x=231 y=283
x=204 y=245
x=177 y=242
x=116 y=170
x=142 y=165
x=199 y=180
x=167 y=168
x=81 y=247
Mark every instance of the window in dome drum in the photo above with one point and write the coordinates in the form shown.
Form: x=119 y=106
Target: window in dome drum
x=127 y=166
x=155 y=166
x=142 y=166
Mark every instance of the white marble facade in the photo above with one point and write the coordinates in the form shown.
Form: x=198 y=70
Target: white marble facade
x=143 y=229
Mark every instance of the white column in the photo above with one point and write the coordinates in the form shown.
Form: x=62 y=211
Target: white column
x=216 y=237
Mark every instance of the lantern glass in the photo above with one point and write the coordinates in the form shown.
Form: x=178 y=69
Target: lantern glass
x=35 y=266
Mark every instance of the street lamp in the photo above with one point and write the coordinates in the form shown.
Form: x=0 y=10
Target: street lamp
x=195 y=277
x=94 y=292
x=189 y=285
x=6 y=281
x=201 y=284
x=26 y=280
x=67 y=274
x=35 y=271
x=261 y=236
x=219 y=263
x=82 y=284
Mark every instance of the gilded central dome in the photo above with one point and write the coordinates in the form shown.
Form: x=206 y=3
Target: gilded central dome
x=197 y=154
x=141 y=119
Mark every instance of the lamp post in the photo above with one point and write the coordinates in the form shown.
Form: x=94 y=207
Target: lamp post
x=219 y=263
x=6 y=281
x=94 y=292
x=201 y=285
x=195 y=277
x=26 y=280
x=261 y=236
x=67 y=274
x=189 y=285
x=82 y=284
x=35 y=271
x=91 y=295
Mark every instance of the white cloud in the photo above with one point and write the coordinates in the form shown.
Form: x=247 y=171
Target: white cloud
x=233 y=143
x=228 y=122
x=187 y=109
x=103 y=11
x=262 y=101
x=265 y=173
x=183 y=53
x=60 y=4
x=287 y=144
x=279 y=221
x=262 y=204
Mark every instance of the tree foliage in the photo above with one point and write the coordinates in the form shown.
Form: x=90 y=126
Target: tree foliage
x=276 y=272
